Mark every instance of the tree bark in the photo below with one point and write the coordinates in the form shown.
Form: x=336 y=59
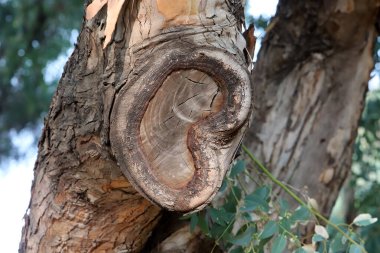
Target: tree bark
x=104 y=116
x=310 y=78
x=310 y=81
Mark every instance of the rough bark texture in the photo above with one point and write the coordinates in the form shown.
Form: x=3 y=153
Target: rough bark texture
x=81 y=201
x=310 y=80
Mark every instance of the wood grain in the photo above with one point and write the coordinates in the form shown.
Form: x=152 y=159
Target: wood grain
x=184 y=98
x=181 y=168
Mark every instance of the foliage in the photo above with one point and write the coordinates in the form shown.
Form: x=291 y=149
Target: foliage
x=256 y=221
x=366 y=168
x=32 y=34
x=376 y=55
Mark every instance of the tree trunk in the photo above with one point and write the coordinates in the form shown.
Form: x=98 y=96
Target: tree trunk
x=310 y=82
x=119 y=112
x=163 y=99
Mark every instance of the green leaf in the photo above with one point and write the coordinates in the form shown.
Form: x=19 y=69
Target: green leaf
x=317 y=238
x=232 y=199
x=269 y=229
x=364 y=219
x=216 y=230
x=262 y=192
x=285 y=224
x=279 y=244
x=244 y=238
x=284 y=207
x=220 y=216
x=336 y=244
x=214 y=214
x=224 y=185
x=250 y=216
x=237 y=250
x=253 y=205
x=300 y=214
x=237 y=168
x=203 y=224
x=236 y=191
x=344 y=240
x=257 y=200
x=193 y=221
x=300 y=250
x=262 y=243
x=355 y=249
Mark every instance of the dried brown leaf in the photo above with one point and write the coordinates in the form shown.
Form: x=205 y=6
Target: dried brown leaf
x=94 y=7
x=113 y=11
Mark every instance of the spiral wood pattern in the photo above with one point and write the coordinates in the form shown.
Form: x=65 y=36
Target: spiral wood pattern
x=176 y=125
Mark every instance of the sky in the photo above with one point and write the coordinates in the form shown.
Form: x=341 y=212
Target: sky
x=15 y=183
x=16 y=177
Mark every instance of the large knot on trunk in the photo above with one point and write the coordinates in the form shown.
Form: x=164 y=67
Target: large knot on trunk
x=177 y=123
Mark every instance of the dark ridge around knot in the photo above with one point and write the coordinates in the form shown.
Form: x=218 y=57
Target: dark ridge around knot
x=176 y=127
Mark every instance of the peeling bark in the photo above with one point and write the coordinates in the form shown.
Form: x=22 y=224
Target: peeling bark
x=311 y=77
x=313 y=67
x=81 y=200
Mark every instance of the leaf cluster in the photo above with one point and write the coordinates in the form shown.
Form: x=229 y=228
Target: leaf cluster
x=366 y=168
x=257 y=221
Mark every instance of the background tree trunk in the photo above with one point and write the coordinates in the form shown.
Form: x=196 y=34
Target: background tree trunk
x=310 y=81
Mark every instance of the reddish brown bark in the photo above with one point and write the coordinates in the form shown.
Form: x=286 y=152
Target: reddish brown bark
x=81 y=200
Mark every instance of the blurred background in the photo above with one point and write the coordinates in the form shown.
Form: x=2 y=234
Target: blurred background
x=36 y=39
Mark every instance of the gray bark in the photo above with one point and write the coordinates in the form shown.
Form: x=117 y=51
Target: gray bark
x=310 y=80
